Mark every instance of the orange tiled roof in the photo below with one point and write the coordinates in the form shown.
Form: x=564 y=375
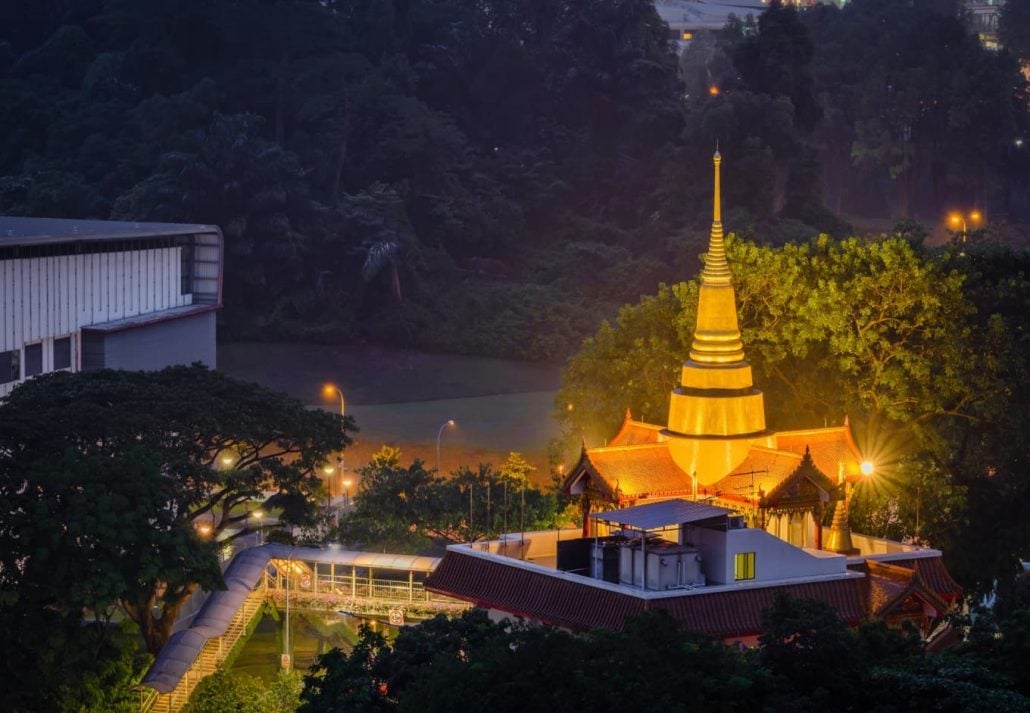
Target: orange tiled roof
x=644 y=470
x=633 y=433
x=934 y=575
x=828 y=446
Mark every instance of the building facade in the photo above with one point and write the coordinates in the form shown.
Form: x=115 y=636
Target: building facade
x=78 y=295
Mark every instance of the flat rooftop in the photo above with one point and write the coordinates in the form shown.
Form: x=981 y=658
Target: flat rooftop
x=21 y=231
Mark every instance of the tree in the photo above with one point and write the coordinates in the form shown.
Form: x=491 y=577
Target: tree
x=411 y=508
x=808 y=647
x=58 y=662
x=222 y=692
x=118 y=485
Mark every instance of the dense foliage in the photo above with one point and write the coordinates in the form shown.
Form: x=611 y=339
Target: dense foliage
x=115 y=485
x=403 y=170
x=230 y=692
x=807 y=660
x=411 y=509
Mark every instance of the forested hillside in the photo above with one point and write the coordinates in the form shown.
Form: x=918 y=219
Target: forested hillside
x=491 y=177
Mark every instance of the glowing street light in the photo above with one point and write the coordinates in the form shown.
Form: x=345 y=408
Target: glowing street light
x=439 y=435
x=330 y=390
x=961 y=221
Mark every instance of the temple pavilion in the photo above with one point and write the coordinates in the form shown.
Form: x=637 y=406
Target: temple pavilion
x=710 y=516
x=715 y=446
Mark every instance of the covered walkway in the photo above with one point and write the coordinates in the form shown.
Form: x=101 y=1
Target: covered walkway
x=362 y=583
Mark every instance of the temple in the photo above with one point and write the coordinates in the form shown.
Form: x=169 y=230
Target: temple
x=715 y=446
x=709 y=517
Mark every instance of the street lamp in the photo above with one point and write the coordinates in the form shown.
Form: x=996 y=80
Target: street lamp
x=958 y=220
x=346 y=492
x=285 y=661
x=439 y=435
x=259 y=519
x=329 y=390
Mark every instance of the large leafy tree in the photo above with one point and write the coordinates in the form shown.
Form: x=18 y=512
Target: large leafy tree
x=117 y=485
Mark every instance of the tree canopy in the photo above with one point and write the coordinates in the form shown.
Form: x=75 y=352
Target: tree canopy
x=401 y=170
x=807 y=659
x=116 y=485
x=408 y=509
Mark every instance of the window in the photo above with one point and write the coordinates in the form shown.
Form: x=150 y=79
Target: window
x=63 y=353
x=10 y=366
x=744 y=566
x=33 y=359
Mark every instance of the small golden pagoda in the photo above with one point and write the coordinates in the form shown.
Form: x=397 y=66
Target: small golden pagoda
x=715 y=446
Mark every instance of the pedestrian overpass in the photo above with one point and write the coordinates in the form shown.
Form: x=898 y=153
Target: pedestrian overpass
x=384 y=586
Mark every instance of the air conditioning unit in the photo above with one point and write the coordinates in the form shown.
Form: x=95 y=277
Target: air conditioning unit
x=735 y=522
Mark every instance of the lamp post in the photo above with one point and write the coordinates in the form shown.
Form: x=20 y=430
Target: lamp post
x=347 y=482
x=439 y=435
x=958 y=220
x=329 y=390
x=332 y=389
x=286 y=661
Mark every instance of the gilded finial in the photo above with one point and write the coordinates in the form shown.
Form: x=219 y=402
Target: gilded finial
x=716 y=269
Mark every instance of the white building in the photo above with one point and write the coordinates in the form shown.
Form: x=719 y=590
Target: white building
x=91 y=294
x=685 y=17
x=701 y=564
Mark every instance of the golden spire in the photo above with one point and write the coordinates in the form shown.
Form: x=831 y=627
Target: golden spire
x=716 y=409
x=717 y=270
x=717 y=337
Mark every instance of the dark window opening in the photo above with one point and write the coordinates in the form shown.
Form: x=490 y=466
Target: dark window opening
x=10 y=366
x=33 y=359
x=63 y=353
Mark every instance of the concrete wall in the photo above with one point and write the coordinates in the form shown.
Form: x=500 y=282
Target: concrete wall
x=774 y=558
x=155 y=346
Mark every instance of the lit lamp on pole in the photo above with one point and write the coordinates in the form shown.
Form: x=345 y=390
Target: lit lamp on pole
x=329 y=391
x=839 y=538
x=439 y=435
x=962 y=221
x=328 y=471
x=347 y=482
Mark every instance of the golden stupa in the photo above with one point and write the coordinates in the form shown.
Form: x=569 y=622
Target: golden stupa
x=715 y=446
x=716 y=410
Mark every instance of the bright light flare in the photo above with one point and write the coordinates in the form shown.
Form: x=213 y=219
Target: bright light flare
x=866 y=467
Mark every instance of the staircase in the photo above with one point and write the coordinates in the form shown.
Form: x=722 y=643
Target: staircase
x=209 y=660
